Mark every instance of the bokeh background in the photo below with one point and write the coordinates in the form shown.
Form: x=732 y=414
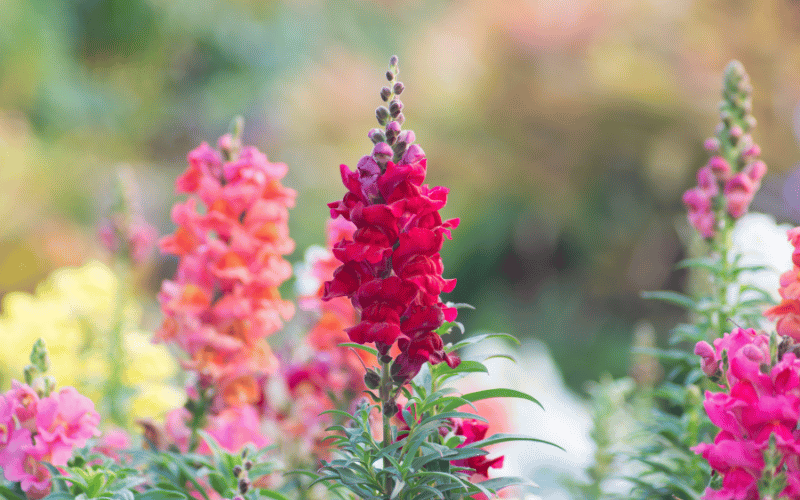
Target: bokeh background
x=566 y=130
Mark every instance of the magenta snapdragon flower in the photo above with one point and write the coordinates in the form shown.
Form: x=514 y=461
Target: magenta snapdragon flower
x=761 y=399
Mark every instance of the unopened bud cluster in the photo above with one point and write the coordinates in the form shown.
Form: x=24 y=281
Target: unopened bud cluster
x=730 y=179
x=391 y=142
x=240 y=472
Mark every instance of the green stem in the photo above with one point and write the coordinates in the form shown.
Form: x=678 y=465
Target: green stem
x=385 y=394
x=114 y=387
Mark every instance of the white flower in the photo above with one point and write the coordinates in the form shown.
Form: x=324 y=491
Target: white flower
x=763 y=242
x=565 y=421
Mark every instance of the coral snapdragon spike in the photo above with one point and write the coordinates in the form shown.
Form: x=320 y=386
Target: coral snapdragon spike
x=757 y=414
x=224 y=298
x=730 y=179
x=391 y=269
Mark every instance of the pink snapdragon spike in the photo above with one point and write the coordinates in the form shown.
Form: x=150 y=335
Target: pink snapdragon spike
x=761 y=399
x=787 y=313
x=727 y=183
x=391 y=269
x=231 y=238
x=35 y=430
x=125 y=232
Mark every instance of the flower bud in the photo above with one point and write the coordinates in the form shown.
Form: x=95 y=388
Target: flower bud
x=372 y=380
x=736 y=132
x=752 y=151
x=382 y=114
x=248 y=464
x=786 y=344
x=386 y=92
x=395 y=107
x=406 y=136
x=719 y=167
x=711 y=144
x=376 y=135
x=756 y=170
x=381 y=153
x=237 y=471
x=399 y=149
x=413 y=155
x=244 y=486
x=390 y=409
x=389 y=76
x=400 y=118
x=393 y=61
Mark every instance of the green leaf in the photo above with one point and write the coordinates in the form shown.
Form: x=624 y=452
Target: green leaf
x=466 y=366
x=161 y=495
x=674 y=298
x=52 y=496
x=498 y=483
x=341 y=413
x=493 y=393
x=364 y=348
x=272 y=494
x=479 y=338
x=501 y=356
x=460 y=305
x=502 y=438
x=701 y=263
x=451 y=414
x=219 y=483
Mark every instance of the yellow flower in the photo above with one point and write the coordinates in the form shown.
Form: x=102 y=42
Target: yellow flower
x=74 y=311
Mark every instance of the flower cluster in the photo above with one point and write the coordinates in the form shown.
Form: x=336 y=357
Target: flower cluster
x=787 y=313
x=36 y=429
x=727 y=183
x=224 y=299
x=761 y=399
x=391 y=269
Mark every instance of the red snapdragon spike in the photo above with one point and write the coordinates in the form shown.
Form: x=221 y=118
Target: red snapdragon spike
x=391 y=268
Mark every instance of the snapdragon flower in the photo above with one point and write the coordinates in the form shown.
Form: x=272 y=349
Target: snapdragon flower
x=36 y=429
x=760 y=402
x=391 y=269
x=727 y=183
x=224 y=299
x=787 y=313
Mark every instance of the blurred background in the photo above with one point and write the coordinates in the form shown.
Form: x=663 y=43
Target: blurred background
x=566 y=130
